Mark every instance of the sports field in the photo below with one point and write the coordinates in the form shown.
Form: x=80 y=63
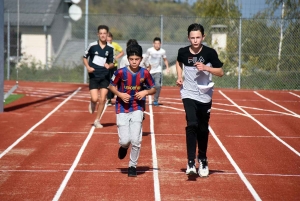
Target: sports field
x=49 y=149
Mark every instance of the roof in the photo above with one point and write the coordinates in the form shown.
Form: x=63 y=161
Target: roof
x=31 y=12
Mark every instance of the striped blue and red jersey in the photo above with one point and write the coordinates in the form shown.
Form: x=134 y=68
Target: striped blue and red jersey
x=128 y=82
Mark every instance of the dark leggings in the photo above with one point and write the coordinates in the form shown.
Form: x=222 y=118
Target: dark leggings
x=197 y=117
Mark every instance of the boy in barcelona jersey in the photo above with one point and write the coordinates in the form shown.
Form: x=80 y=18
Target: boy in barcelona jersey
x=131 y=84
x=199 y=63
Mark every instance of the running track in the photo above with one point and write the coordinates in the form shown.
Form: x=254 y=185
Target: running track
x=49 y=149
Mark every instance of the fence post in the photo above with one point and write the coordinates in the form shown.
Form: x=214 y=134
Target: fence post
x=86 y=35
x=8 y=46
x=1 y=55
x=162 y=40
x=240 y=54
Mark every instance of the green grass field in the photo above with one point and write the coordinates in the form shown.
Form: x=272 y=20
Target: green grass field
x=12 y=98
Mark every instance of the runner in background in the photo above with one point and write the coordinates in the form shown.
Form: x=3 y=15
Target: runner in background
x=118 y=53
x=98 y=59
x=153 y=57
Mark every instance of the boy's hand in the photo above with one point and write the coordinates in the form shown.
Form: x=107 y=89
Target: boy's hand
x=179 y=82
x=140 y=95
x=125 y=97
x=200 y=66
x=106 y=65
x=90 y=69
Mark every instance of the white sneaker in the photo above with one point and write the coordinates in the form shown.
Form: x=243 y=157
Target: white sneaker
x=92 y=107
x=190 y=170
x=203 y=170
x=97 y=124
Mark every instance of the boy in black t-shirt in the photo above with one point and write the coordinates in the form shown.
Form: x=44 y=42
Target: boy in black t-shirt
x=200 y=63
x=100 y=55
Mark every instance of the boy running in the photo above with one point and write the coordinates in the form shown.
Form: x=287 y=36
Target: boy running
x=100 y=56
x=129 y=84
x=154 y=55
x=200 y=63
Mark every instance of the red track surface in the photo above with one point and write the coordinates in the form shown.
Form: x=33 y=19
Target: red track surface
x=50 y=151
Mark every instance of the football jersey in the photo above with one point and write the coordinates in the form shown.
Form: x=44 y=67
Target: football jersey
x=129 y=82
x=198 y=85
x=98 y=57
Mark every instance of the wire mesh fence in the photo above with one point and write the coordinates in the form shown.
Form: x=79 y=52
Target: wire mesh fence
x=257 y=53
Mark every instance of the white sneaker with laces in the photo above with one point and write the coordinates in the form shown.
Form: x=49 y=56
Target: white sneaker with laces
x=190 y=170
x=92 y=107
x=97 y=124
x=203 y=170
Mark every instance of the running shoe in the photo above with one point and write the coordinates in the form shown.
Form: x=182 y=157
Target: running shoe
x=122 y=152
x=190 y=168
x=203 y=170
x=97 y=124
x=132 y=172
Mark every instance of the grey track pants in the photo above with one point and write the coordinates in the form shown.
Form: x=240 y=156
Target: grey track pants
x=157 y=81
x=130 y=132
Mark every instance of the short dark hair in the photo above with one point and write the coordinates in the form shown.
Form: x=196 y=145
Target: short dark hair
x=131 y=42
x=103 y=27
x=157 y=39
x=134 y=49
x=110 y=34
x=196 y=27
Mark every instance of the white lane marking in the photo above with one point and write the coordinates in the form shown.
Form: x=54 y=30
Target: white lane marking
x=263 y=126
x=76 y=161
x=297 y=115
x=236 y=167
x=154 y=155
x=37 y=124
x=294 y=94
x=225 y=172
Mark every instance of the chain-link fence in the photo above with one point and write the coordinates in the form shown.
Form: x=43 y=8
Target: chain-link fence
x=257 y=53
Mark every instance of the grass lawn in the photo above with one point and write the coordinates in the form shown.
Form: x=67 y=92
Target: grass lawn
x=12 y=98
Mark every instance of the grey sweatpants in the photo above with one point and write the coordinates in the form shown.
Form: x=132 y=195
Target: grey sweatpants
x=157 y=81
x=130 y=132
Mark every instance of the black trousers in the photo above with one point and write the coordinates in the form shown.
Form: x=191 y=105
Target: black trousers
x=111 y=71
x=197 y=118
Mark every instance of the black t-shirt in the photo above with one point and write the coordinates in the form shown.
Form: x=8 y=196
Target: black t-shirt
x=206 y=55
x=98 y=57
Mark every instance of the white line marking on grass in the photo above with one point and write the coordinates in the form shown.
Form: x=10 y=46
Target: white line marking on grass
x=154 y=155
x=294 y=94
x=263 y=126
x=76 y=161
x=37 y=124
x=236 y=167
x=297 y=115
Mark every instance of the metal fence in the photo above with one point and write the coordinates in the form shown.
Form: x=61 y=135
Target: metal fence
x=257 y=53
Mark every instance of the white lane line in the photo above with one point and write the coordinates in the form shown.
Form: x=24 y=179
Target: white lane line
x=297 y=115
x=154 y=155
x=37 y=124
x=294 y=94
x=236 y=167
x=225 y=172
x=76 y=161
x=263 y=126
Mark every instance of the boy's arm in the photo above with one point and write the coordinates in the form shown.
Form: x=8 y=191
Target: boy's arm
x=167 y=64
x=179 y=73
x=87 y=66
x=141 y=94
x=124 y=96
x=215 y=71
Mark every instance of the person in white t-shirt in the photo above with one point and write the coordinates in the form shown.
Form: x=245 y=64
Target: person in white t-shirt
x=153 y=57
